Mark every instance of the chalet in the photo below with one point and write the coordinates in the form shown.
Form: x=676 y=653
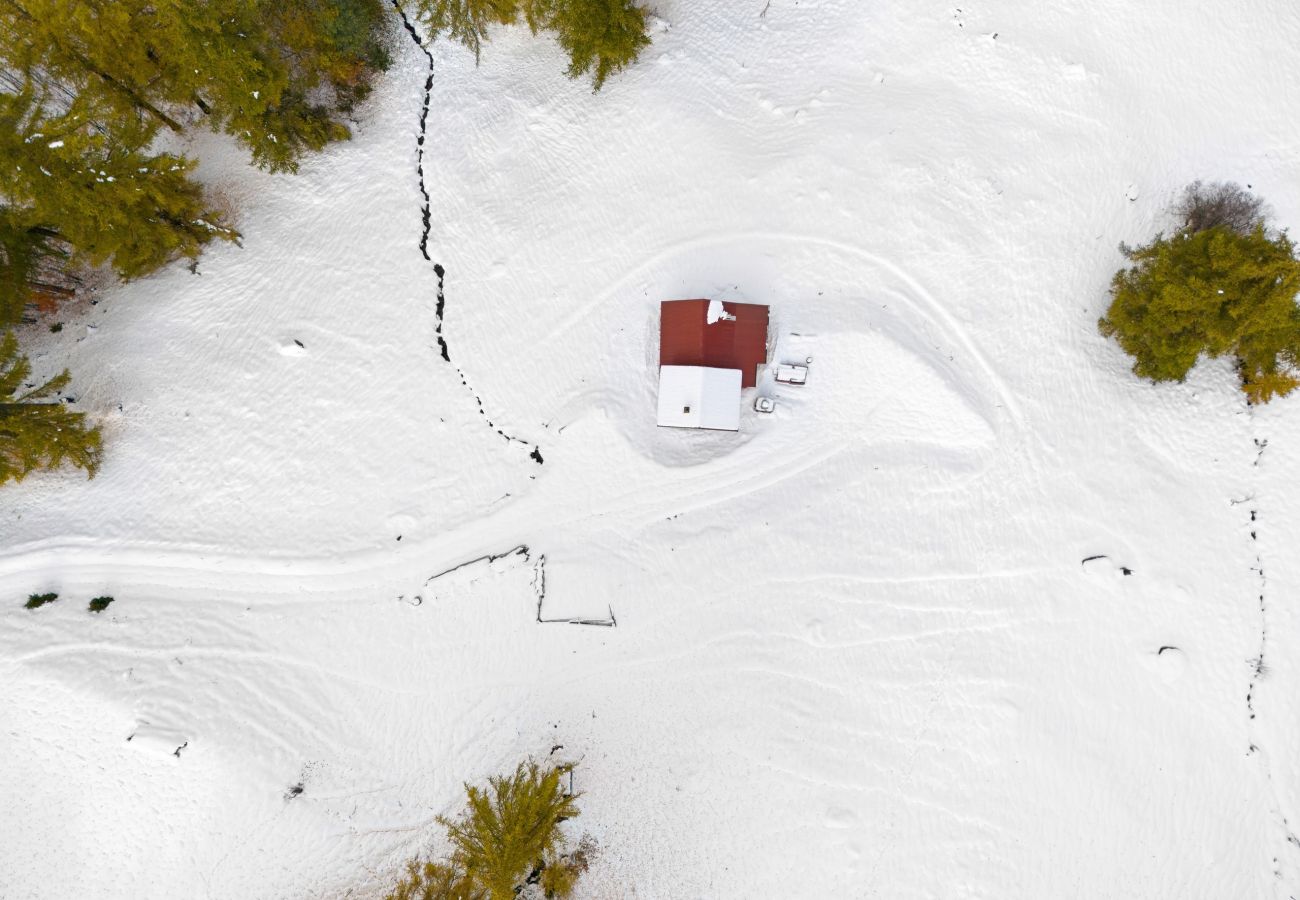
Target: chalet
x=709 y=350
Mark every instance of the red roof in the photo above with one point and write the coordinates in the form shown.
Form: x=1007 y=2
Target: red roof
x=738 y=340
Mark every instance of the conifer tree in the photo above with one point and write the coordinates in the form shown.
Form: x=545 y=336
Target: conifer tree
x=466 y=21
x=36 y=431
x=110 y=200
x=600 y=36
x=510 y=828
x=310 y=46
x=22 y=248
x=435 y=881
x=245 y=65
x=508 y=836
x=1215 y=292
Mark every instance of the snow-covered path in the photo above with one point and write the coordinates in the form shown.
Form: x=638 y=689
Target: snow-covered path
x=858 y=651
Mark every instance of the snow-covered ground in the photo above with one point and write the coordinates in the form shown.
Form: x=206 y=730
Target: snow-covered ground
x=857 y=653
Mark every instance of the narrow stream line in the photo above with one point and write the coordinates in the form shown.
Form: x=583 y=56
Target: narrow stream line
x=427 y=220
x=1259 y=667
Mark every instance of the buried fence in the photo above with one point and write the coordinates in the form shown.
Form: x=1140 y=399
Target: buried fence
x=538 y=586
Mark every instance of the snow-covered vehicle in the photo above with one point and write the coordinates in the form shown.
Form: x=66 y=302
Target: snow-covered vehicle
x=788 y=374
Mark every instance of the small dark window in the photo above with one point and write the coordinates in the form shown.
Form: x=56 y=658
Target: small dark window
x=686 y=409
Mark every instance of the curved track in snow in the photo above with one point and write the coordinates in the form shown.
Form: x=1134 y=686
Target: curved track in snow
x=923 y=303
x=634 y=494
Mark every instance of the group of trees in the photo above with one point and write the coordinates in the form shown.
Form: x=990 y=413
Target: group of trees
x=507 y=843
x=86 y=90
x=600 y=36
x=1223 y=284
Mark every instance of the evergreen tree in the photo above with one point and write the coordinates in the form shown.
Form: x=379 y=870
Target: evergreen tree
x=319 y=57
x=247 y=65
x=37 y=432
x=435 y=881
x=1218 y=292
x=466 y=21
x=22 y=248
x=511 y=828
x=600 y=36
x=110 y=200
x=507 y=837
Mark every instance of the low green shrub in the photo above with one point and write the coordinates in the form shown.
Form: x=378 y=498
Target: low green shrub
x=35 y=601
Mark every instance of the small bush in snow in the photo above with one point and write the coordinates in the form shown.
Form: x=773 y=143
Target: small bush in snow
x=1205 y=206
x=1221 y=286
x=36 y=601
x=99 y=604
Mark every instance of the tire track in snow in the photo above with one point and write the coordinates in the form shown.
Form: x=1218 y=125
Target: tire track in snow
x=426 y=215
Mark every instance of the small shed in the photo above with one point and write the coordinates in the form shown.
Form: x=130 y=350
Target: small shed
x=699 y=397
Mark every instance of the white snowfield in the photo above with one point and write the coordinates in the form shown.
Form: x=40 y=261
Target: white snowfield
x=858 y=653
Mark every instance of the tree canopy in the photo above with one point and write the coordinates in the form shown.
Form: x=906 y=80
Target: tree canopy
x=247 y=67
x=601 y=37
x=110 y=199
x=36 y=430
x=507 y=837
x=87 y=87
x=1219 y=288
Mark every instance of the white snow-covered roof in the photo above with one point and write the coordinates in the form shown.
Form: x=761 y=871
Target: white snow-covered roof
x=698 y=397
